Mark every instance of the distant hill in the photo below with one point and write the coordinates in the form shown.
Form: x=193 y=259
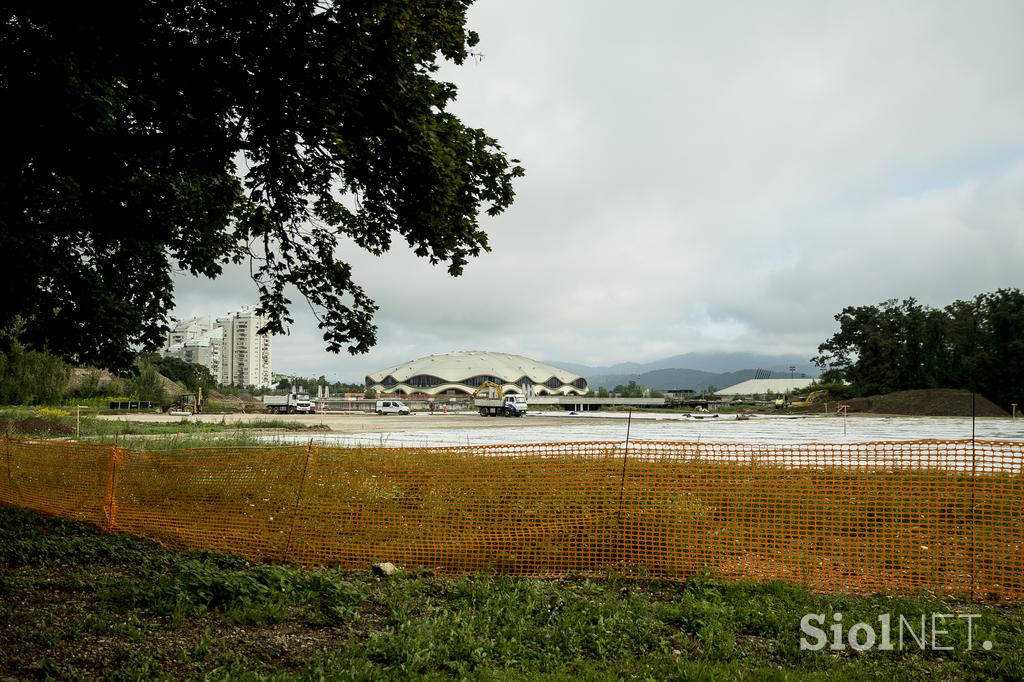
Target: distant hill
x=694 y=371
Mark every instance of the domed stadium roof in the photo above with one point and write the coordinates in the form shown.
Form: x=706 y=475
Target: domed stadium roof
x=464 y=371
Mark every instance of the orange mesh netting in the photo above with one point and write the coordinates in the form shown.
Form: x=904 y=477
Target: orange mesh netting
x=895 y=517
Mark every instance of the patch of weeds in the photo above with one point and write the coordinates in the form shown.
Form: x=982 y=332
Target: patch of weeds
x=204 y=644
x=267 y=613
x=137 y=666
x=337 y=600
x=76 y=602
x=231 y=666
x=130 y=628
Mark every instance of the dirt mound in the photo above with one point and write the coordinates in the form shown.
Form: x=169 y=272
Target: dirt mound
x=79 y=375
x=933 y=402
x=245 y=403
x=171 y=388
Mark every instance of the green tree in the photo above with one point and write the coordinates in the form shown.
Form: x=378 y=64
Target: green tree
x=146 y=384
x=976 y=344
x=985 y=345
x=187 y=134
x=193 y=375
x=91 y=385
x=29 y=377
x=888 y=347
x=630 y=390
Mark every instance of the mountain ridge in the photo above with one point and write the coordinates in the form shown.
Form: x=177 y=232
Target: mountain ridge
x=694 y=371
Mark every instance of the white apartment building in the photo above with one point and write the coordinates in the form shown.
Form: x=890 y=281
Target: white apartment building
x=230 y=348
x=188 y=330
x=245 y=355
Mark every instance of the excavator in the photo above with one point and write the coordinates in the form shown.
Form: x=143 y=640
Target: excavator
x=188 y=403
x=489 y=389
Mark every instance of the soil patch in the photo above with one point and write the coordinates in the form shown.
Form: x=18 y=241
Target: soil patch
x=35 y=427
x=934 y=402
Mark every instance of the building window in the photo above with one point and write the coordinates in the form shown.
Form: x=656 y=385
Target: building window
x=480 y=379
x=424 y=381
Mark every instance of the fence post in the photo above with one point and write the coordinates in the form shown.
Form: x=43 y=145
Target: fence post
x=621 y=554
x=974 y=484
x=10 y=479
x=110 y=498
x=298 y=502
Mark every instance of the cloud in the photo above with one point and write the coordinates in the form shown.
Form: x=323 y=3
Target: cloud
x=717 y=176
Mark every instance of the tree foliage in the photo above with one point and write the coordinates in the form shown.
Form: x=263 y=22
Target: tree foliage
x=310 y=384
x=29 y=377
x=630 y=390
x=156 y=135
x=976 y=345
x=191 y=374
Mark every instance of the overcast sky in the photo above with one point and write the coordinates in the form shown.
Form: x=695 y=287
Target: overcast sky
x=709 y=176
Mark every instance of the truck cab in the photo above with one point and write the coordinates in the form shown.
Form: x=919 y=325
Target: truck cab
x=516 y=403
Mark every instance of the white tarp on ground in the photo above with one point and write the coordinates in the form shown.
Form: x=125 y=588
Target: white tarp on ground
x=675 y=428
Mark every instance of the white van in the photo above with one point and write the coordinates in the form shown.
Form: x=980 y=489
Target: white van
x=391 y=407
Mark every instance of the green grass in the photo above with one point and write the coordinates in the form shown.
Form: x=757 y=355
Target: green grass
x=29 y=422
x=79 y=604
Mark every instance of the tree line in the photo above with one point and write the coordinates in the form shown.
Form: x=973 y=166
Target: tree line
x=284 y=382
x=975 y=344
x=29 y=377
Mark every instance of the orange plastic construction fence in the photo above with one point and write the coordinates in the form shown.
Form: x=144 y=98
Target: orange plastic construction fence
x=945 y=517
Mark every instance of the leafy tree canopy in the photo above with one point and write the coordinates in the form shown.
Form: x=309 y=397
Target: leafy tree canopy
x=630 y=390
x=191 y=374
x=976 y=344
x=156 y=135
x=310 y=384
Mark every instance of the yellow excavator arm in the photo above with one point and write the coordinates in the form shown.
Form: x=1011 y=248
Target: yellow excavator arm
x=487 y=388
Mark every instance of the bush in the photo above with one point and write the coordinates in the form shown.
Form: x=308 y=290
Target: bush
x=28 y=377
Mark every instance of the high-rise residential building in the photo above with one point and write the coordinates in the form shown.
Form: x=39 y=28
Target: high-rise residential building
x=245 y=355
x=188 y=330
x=230 y=348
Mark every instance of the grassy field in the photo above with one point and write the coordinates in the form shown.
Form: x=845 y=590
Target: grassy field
x=79 y=604
x=48 y=422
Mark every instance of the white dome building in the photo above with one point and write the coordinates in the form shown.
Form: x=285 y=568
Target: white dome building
x=462 y=372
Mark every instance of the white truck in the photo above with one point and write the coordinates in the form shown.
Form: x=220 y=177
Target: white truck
x=510 y=405
x=289 y=404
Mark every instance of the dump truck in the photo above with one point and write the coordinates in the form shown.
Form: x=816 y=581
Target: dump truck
x=491 y=401
x=289 y=403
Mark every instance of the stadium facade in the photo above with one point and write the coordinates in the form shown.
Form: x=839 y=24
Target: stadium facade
x=463 y=372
